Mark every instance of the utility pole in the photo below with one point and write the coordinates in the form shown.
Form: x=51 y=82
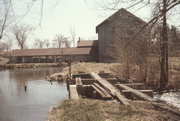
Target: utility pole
x=68 y=61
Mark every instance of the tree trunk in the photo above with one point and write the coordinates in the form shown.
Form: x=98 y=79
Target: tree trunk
x=164 y=52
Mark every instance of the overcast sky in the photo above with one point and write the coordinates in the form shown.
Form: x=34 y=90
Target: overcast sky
x=61 y=15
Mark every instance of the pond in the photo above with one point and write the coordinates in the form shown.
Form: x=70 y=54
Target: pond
x=32 y=104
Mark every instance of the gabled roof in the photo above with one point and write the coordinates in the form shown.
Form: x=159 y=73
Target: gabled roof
x=86 y=43
x=120 y=12
x=51 y=52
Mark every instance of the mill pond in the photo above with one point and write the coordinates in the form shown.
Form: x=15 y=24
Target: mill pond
x=32 y=104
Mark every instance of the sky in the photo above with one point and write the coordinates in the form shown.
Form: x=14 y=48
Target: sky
x=61 y=15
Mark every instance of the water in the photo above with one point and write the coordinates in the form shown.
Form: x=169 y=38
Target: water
x=16 y=104
x=172 y=98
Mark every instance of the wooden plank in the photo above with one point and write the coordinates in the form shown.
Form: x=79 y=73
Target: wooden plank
x=73 y=94
x=88 y=81
x=112 y=89
x=82 y=75
x=137 y=93
x=105 y=75
x=78 y=81
x=98 y=91
x=147 y=92
x=91 y=79
x=136 y=85
x=103 y=90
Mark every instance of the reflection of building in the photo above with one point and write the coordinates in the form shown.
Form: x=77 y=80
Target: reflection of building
x=84 y=52
x=114 y=31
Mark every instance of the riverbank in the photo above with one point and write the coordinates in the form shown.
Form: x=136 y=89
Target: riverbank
x=119 y=70
x=5 y=65
x=31 y=65
x=97 y=110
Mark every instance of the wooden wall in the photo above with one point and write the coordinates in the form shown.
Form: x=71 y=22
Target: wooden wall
x=51 y=59
x=114 y=34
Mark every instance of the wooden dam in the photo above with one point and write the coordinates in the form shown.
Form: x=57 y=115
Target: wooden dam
x=106 y=87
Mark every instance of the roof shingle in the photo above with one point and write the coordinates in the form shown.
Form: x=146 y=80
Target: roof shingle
x=86 y=43
x=51 y=52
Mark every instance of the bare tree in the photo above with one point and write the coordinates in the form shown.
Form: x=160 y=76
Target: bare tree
x=59 y=41
x=67 y=43
x=21 y=33
x=4 y=16
x=73 y=35
x=6 y=46
x=46 y=43
x=174 y=39
x=162 y=8
x=38 y=43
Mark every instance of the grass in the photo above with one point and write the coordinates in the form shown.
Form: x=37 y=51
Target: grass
x=120 y=70
x=174 y=71
x=97 y=110
x=92 y=110
x=174 y=62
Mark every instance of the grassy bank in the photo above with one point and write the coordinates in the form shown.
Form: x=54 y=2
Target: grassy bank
x=96 y=110
x=119 y=70
x=30 y=65
x=5 y=65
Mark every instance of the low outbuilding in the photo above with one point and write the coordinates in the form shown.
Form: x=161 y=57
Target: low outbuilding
x=51 y=55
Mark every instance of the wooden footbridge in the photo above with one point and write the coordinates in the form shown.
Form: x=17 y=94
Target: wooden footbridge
x=104 y=86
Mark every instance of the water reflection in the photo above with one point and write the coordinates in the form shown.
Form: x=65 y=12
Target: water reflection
x=16 y=104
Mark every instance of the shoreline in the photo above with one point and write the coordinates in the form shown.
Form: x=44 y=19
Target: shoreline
x=31 y=65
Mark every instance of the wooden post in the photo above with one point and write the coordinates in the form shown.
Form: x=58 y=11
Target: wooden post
x=68 y=61
x=73 y=94
x=23 y=59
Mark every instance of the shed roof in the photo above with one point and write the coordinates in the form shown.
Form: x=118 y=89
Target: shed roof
x=86 y=43
x=120 y=12
x=51 y=52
